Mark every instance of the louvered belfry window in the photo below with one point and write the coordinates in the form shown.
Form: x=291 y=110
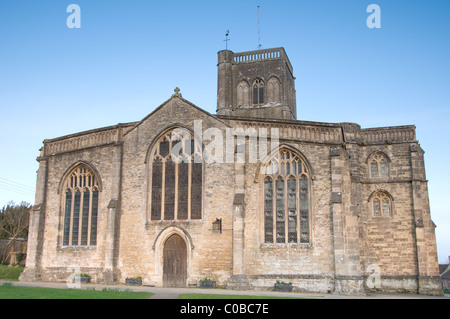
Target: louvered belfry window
x=258 y=92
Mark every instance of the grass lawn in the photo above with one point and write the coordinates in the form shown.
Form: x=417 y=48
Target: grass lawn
x=214 y=296
x=9 y=291
x=10 y=273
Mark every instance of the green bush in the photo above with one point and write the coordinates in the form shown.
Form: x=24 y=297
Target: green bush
x=10 y=273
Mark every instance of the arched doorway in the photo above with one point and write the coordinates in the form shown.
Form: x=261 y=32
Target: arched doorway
x=175 y=262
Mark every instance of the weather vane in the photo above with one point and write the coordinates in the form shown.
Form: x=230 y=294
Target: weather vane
x=226 y=39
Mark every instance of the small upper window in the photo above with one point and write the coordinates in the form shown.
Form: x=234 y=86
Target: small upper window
x=258 y=92
x=378 y=166
x=382 y=205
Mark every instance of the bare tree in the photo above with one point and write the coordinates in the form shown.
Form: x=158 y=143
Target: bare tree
x=13 y=224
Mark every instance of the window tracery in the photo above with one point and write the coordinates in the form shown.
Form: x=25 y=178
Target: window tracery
x=381 y=204
x=286 y=199
x=258 y=92
x=176 y=177
x=81 y=195
x=378 y=166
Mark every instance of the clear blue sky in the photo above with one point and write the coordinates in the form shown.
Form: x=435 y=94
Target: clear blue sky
x=128 y=56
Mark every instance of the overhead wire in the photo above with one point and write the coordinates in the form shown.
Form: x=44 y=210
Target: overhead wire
x=15 y=187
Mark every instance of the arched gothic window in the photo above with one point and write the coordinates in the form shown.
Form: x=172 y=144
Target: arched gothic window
x=382 y=204
x=176 y=177
x=242 y=94
x=273 y=90
x=81 y=195
x=286 y=199
x=378 y=166
x=258 y=92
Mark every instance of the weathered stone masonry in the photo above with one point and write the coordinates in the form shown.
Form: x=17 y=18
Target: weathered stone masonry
x=368 y=227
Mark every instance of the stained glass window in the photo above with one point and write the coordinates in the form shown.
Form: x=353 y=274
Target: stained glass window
x=286 y=200
x=176 y=192
x=80 y=207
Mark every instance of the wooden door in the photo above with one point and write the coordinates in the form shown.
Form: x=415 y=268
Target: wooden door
x=175 y=262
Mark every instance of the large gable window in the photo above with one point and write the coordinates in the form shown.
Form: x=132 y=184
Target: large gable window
x=176 y=177
x=286 y=199
x=81 y=195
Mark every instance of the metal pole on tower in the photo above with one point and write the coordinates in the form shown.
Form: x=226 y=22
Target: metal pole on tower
x=226 y=39
x=259 y=31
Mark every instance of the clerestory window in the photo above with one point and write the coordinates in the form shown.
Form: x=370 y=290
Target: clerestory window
x=81 y=197
x=286 y=199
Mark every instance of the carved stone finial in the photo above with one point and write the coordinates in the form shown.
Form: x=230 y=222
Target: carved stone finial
x=177 y=92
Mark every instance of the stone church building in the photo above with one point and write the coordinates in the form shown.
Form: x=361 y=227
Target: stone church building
x=245 y=197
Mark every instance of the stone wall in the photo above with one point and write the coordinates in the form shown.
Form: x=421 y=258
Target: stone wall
x=347 y=243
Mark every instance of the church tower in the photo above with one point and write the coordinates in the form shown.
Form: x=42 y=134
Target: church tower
x=256 y=84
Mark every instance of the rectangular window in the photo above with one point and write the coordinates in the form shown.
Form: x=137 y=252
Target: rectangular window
x=376 y=207
x=196 y=191
x=76 y=218
x=85 y=217
x=169 y=191
x=280 y=231
x=292 y=211
x=385 y=207
x=268 y=211
x=255 y=94
x=156 y=190
x=183 y=190
x=261 y=95
x=383 y=169
x=67 y=212
x=304 y=211
x=94 y=215
x=374 y=169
